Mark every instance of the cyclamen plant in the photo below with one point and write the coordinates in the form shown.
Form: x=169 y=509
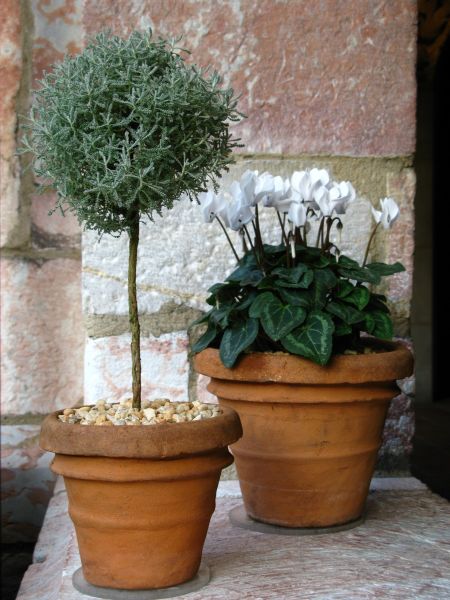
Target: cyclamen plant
x=301 y=297
x=122 y=131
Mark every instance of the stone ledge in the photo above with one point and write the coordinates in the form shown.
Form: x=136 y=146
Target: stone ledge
x=384 y=557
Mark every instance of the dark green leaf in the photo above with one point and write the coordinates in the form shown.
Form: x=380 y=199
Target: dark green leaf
x=345 y=312
x=313 y=339
x=206 y=339
x=383 y=270
x=279 y=249
x=359 y=297
x=359 y=274
x=236 y=339
x=246 y=275
x=345 y=261
x=291 y=275
x=324 y=280
x=325 y=277
x=220 y=316
x=383 y=325
x=377 y=303
x=342 y=329
x=296 y=297
x=279 y=319
x=304 y=282
x=216 y=287
x=344 y=288
x=247 y=300
x=202 y=318
x=369 y=323
x=268 y=283
x=259 y=302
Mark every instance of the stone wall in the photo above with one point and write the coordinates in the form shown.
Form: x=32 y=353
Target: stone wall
x=323 y=84
x=42 y=336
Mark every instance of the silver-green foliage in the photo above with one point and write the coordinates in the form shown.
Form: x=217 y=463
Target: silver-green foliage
x=127 y=127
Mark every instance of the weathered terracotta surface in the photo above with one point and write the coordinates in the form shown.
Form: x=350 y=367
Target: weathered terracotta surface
x=141 y=522
x=166 y=440
x=311 y=433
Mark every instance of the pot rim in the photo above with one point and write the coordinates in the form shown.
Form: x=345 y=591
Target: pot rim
x=159 y=441
x=396 y=363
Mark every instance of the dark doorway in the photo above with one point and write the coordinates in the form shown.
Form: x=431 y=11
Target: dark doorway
x=430 y=460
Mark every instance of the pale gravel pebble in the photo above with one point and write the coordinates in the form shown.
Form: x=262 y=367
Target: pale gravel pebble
x=152 y=412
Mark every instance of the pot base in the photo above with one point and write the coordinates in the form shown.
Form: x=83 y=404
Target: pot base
x=239 y=517
x=199 y=581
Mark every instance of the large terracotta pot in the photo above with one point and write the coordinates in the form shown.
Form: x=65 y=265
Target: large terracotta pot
x=311 y=433
x=141 y=497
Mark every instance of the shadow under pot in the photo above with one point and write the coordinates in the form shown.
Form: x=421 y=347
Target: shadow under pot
x=311 y=433
x=141 y=497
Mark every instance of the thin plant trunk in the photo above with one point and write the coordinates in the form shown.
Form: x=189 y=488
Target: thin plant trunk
x=134 y=314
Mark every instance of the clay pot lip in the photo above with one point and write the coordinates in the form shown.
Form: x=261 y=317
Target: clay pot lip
x=161 y=441
x=264 y=367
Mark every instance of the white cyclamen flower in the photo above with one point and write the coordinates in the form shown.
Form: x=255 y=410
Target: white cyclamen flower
x=264 y=186
x=297 y=214
x=238 y=215
x=388 y=214
x=247 y=184
x=212 y=205
x=279 y=198
x=305 y=183
x=342 y=194
x=324 y=200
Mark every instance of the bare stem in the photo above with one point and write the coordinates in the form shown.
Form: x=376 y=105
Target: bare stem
x=283 y=232
x=228 y=238
x=134 y=314
x=248 y=237
x=320 y=232
x=258 y=238
x=372 y=235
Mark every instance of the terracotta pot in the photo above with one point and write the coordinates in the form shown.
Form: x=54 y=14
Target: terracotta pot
x=141 y=497
x=311 y=433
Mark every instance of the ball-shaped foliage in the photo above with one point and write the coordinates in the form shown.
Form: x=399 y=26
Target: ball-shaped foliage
x=127 y=127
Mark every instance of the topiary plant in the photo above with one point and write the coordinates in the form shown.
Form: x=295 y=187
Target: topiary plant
x=122 y=131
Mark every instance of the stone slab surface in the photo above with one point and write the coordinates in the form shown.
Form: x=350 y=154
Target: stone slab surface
x=401 y=552
x=328 y=77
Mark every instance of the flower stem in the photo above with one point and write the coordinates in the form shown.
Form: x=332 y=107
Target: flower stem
x=320 y=233
x=283 y=232
x=228 y=238
x=258 y=240
x=372 y=235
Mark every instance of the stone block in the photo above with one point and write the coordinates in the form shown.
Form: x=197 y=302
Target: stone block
x=315 y=77
x=27 y=483
x=42 y=335
x=15 y=224
x=57 y=31
x=165 y=367
x=397 y=436
x=202 y=393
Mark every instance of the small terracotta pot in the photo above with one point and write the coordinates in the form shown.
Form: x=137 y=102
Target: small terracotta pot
x=141 y=497
x=311 y=433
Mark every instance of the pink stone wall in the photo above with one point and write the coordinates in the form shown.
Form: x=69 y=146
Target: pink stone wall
x=42 y=335
x=329 y=77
